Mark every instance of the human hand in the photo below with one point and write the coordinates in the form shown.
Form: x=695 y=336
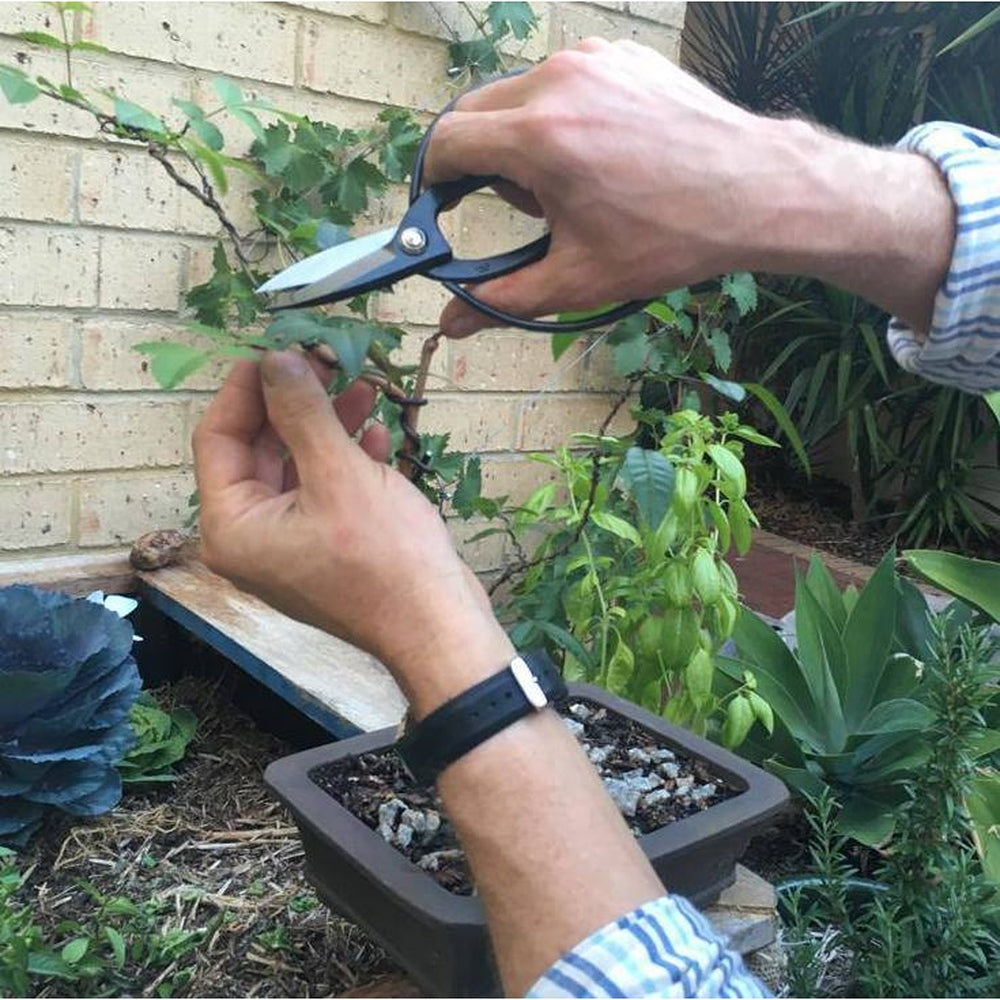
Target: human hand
x=649 y=181
x=333 y=536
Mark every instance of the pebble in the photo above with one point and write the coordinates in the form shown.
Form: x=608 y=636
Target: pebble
x=669 y=770
x=598 y=755
x=389 y=811
x=703 y=792
x=580 y=711
x=432 y=862
x=655 y=797
x=638 y=756
x=660 y=754
x=625 y=796
x=404 y=835
x=576 y=728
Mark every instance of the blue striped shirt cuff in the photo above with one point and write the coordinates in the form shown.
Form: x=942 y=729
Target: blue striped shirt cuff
x=962 y=348
x=665 y=948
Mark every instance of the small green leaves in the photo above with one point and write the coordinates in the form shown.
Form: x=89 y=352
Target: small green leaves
x=650 y=478
x=133 y=116
x=42 y=38
x=228 y=91
x=516 y=18
x=742 y=289
x=74 y=950
x=170 y=362
x=731 y=468
x=739 y=719
x=16 y=86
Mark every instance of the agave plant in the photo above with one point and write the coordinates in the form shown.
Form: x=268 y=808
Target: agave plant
x=68 y=681
x=849 y=702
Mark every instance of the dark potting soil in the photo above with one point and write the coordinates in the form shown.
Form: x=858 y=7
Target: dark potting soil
x=651 y=783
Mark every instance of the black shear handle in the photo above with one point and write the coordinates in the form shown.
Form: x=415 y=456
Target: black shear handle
x=423 y=213
x=455 y=274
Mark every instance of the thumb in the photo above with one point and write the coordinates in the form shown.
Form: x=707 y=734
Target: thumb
x=301 y=412
x=532 y=291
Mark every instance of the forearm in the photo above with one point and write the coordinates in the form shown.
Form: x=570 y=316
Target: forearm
x=552 y=858
x=877 y=222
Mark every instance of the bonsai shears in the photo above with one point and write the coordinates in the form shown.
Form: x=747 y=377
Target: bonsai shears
x=417 y=246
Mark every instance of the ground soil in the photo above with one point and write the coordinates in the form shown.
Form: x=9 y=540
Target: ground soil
x=226 y=857
x=365 y=783
x=817 y=512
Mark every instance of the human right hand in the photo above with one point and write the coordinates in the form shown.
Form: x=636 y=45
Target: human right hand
x=649 y=181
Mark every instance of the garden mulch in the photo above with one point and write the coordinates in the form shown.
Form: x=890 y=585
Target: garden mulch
x=226 y=858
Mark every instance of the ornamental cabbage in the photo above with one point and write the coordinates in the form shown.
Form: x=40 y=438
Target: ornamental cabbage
x=67 y=683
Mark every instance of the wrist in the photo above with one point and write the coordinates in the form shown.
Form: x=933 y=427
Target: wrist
x=877 y=222
x=458 y=650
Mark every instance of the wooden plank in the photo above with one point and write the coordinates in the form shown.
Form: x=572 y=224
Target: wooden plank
x=78 y=575
x=337 y=685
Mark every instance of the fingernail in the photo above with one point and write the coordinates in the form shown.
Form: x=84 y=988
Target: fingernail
x=282 y=366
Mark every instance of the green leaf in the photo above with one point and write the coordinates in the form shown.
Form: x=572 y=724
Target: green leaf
x=731 y=390
x=562 y=342
x=783 y=420
x=469 y=487
x=650 y=478
x=992 y=400
x=896 y=716
x=211 y=160
x=518 y=18
x=661 y=311
x=208 y=133
x=75 y=950
x=973 y=580
x=42 y=38
x=730 y=467
x=16 y=86
x=983 y=804
x=621 y=667
x=133 y=116
x=117 y=943
x=172 y=363
x=629 y=344
x=741 y=525
x=228 y=91
x=739 y=719
x=762 y=711
x=355 y=183
x=722 y=351
x=84 y=45
x=250 y=120
x=868 y=637
x=742 y=289
x=868 y=820
x=616 y=525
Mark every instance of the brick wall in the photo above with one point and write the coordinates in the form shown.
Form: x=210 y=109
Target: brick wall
x=97 y=248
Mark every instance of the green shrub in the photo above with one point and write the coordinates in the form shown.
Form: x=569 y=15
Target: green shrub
x=161 y=741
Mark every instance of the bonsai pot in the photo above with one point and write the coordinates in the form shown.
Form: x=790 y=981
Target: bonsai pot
x=440 y=937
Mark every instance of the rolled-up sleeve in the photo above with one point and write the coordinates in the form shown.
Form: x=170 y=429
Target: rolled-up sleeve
x=665 y=948
x=962 y=347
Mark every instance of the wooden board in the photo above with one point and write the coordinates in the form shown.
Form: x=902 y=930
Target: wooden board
x=335 y=684
x=78 y=575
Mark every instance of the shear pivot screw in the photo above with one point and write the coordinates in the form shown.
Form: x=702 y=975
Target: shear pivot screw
x=413 y=240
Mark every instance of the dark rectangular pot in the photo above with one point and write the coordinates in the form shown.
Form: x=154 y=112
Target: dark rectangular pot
x=440 y=938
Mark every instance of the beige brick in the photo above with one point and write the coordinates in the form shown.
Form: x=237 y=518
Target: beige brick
x=34 y=514
x=37 y=181
x=17 y=17
x=516 y=360
x=547 y=423
x=140 y=272
x=48 y=267
x=108 y=359
x=250 y=40
x=487 y=225
x=355 y=60
x=373 y=12
x=482 y=555
x=73 y=435
x=515 y=477
x=454 y=20
x=671 y=14
x=476 y=423
x=116 y=509
x=37 y=350
x=574 y=22
x=414 y=300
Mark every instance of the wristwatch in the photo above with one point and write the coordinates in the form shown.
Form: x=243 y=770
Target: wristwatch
x=530 y=682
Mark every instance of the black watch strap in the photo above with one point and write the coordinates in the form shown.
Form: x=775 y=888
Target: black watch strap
x=529 y=683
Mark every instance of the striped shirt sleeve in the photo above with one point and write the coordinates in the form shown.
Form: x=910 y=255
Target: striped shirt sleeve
x=665 y=948
x=962 y=348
